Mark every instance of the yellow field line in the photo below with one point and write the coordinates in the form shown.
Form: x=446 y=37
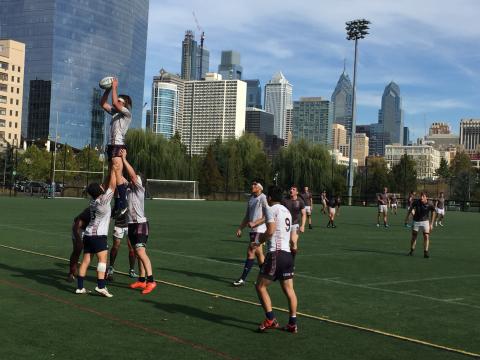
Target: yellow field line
x=309 y=316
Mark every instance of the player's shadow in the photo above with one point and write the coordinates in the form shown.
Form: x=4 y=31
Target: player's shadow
x=198 y=275
x=227 y=260
x=243 y=241
x=47 y=277
x=375 y=251
x=204 y=315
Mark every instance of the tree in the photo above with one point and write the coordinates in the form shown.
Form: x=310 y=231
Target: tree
x=443 y=172
x=377 y=175
x=462 y=177
x=34 y=164
x=210 y=179
x=404 y=176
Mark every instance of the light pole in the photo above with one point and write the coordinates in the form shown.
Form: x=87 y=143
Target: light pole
x=55 y=158
x=356 y=29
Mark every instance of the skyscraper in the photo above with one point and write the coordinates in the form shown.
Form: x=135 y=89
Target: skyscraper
x=195 y=62
x=66 y=57
x=278 y=99
x=470 y=135
x=311 y=120
x=391 y=113
x=213 y=109
x=167 y=104
x=254 y=93
x=406 y=136
x=230 y=67
x=341 y=100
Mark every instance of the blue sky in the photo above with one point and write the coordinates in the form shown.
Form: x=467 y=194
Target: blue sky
x=430 y=48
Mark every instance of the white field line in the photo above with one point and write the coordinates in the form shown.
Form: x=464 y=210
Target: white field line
x=425 y=279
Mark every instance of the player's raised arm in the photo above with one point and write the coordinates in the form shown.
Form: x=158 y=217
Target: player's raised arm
x=117 y=104
x=104 y=101
x=130 y=170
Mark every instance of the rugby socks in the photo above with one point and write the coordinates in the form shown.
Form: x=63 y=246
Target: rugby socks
x=141 y=279
x=292 y=320
x=101 y=283
x=80 y=282
x=270 y=315
x=150 y=278
x=294 y=252
x=247 y=268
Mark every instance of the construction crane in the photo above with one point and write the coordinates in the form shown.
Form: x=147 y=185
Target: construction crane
x=202 y=38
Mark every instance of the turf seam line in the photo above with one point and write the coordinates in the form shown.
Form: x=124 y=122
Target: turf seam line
x=128 y=323
x=309 y=316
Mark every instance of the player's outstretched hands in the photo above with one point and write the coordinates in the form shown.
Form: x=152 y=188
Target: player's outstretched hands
x=115 y=83
x=239 y=232
x=302 y=229
x=123 y=153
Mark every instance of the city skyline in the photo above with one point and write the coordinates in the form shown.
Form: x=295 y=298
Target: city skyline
x=432 y=61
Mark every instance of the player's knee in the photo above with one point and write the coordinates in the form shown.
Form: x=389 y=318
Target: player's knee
x=101 y=267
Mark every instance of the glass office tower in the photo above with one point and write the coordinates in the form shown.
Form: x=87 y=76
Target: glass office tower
x=70 y=46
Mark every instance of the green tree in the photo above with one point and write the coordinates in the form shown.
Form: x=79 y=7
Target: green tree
x=403 y=176
x=34 y=164
x=443 y=172
x=377 y=176
x=462 y=179
x=210 y=179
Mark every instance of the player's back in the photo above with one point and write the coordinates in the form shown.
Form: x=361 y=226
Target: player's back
x=283 y=222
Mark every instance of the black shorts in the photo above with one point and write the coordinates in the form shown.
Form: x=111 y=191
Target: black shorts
x=138 y=234
x=94 y=244
x=114 y=151
x=254 y=236
x=278 y=265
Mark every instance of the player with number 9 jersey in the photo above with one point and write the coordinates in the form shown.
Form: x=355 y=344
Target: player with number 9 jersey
x=280 y=241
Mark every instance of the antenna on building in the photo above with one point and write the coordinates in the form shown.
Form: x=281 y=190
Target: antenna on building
x=202 y=38
x=344 y=64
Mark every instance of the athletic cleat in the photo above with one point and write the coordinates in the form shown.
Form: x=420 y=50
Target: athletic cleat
x=334 y=226
x=291 y=328
x=378 y=225
x=441 y=224
x=71 y=278
x=239 y=282
x=138 y=285
x=386 y=226
x=103 y=292
x=110 y=272
x=328 y=225
x=268 y=324
x=410 y=253
x=310 y=226
x=132 y=274
x=425 y=255
x=81 y=291
x=149 y=287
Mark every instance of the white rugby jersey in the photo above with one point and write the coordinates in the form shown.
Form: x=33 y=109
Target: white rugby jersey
x=119 y=125
x=283 y=223
x=100 y=212
x=136 y=202
x=255 y=207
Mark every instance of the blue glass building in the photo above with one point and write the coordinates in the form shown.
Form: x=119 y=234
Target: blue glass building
x=165 y=107
x=254 y=93
x=70 y=46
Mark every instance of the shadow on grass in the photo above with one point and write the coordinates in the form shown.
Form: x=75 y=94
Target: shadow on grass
x=210 y=316
x=244 y=241
x=47 y=277
x=199 y=275
x=375 y=251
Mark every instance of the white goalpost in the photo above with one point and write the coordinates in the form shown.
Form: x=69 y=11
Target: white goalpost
x=172 y=189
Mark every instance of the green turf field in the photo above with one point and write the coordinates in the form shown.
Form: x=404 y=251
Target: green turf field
x=357 y=275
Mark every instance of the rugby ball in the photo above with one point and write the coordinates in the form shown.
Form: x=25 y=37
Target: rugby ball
x=106 y=82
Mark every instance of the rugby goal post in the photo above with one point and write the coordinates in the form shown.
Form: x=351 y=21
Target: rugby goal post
x=172 y=189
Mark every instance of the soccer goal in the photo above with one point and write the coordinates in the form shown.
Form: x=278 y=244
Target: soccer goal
x=172 y=189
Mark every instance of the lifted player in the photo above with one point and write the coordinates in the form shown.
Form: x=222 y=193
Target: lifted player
x=423 y=218
x=121 y=118
x=278 y=262
x=254 y=218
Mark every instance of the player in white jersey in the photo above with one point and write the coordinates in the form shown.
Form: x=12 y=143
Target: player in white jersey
x=440 y=209
x=255 y=220
x=278 y=263
x=95 y=237
x=138 y=228
x=120 y=109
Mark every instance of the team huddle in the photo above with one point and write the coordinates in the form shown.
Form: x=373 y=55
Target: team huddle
x=90 y=228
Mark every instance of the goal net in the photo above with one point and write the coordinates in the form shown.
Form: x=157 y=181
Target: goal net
x=172 y=189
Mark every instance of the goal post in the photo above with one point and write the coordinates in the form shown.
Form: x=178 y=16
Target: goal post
x=172 y=189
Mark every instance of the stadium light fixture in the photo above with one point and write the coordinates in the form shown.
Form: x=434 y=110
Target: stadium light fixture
x=356 y=29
